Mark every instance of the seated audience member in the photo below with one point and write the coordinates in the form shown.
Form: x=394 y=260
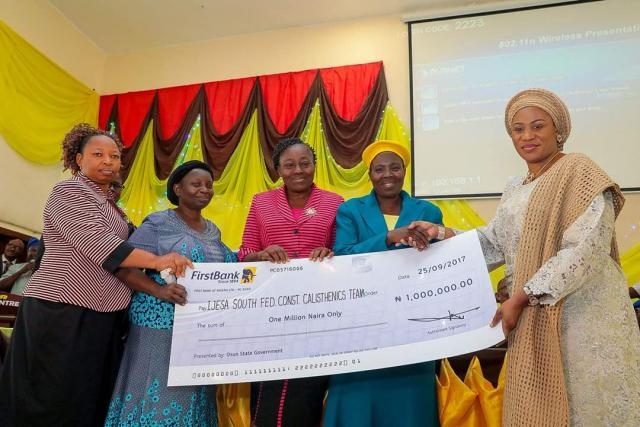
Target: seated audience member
x=15 y=279
x=12 y=251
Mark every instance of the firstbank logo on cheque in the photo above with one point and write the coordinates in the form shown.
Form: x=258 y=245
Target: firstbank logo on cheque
x=245 y=276
x=248 y=274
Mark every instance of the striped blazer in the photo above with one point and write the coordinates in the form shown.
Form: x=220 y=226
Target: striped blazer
x=271 y=222
x=85 y=235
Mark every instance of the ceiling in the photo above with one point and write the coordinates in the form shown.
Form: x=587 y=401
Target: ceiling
x=121 y=26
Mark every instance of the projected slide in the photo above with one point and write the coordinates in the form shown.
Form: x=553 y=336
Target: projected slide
x=466 y=69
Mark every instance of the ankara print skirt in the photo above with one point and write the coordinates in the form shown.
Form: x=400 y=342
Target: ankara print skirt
x=141 y=396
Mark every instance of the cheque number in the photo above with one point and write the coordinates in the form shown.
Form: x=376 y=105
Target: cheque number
x=440 y=290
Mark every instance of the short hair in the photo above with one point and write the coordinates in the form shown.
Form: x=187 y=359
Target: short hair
x=287 y=143
x=75 y=141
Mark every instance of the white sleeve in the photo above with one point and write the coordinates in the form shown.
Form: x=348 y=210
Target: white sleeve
x=584 y=243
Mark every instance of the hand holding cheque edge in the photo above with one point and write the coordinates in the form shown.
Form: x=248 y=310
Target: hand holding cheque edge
x=278 y=255
x=173 y=261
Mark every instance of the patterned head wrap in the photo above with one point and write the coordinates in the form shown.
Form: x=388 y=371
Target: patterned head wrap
x=546 y=101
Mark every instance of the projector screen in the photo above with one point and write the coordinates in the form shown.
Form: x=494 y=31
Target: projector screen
x=465 y=69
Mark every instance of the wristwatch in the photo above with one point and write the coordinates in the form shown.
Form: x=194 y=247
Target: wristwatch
x=442 y=231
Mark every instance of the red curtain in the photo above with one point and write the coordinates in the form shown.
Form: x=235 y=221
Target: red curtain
x=351 y=98
x=348 y=87
x=173 y=103
x=132 y=109
x=227 y=100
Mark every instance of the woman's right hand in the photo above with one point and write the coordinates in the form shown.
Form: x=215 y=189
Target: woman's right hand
x=273 y=253
x=173 y=293
x=176 y=263
x=406 y=236
x=428 y=229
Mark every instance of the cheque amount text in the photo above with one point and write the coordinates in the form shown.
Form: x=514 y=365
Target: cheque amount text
x=430 y=293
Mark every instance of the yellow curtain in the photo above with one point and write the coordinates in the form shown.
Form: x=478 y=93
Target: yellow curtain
x=143 y=192
x=39 y=101
x=244 y=176
x=630 y=261
x=330 y=175
x=352 y=182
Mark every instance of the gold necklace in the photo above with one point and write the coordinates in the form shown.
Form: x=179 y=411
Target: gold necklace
x=532 y=176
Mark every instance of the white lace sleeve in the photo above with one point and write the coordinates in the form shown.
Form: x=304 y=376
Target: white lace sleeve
x=493 y=255
x=588 y=238
x=493 y=251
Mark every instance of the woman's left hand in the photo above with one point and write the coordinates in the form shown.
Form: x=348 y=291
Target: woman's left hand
x=174 y=293
x=502 y=293
x=509 y=312
x=319 y=254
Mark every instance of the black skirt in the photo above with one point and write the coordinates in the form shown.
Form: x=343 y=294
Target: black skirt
x=61 y=366
x=288 y=403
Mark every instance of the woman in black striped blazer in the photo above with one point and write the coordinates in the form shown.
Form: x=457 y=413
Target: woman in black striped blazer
x=66 y=345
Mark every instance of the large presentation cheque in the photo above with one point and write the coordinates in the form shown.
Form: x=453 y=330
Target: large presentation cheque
x=263 y=321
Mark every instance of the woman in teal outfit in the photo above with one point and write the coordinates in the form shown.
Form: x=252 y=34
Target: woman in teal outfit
x=401 y=396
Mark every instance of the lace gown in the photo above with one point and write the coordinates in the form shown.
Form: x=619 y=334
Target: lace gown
x=599 y=333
